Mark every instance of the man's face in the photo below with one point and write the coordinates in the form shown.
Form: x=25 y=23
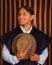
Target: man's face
x=24 y=17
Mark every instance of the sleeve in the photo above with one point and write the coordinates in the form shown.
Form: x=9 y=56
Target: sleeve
x=1 y=40
x=8 y=57
x=4 y=38
x=48 y=39
x=43 y=56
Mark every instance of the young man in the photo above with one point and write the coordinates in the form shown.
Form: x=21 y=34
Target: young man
x=25 y=20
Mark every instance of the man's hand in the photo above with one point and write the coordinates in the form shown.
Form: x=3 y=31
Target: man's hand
x=34 y=57
x=21 y=55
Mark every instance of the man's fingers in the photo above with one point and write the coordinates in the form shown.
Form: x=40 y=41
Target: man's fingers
x=25 y=52
x=20 y=52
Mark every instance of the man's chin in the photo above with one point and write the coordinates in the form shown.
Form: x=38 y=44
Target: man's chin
x=21 y=24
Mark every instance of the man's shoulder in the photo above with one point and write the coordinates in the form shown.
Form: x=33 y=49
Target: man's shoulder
x=37 y=31
x=9 y=34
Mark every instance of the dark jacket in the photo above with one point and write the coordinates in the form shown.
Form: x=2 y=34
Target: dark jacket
x=41 y=39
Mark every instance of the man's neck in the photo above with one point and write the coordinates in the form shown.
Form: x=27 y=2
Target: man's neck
x=27 y=27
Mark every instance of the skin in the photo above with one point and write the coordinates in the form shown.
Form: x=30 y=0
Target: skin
x=25 y=19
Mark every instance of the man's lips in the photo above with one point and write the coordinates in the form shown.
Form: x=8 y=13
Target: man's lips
x=21 y=20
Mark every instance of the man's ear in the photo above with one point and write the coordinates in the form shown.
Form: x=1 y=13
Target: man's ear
x=32 y=17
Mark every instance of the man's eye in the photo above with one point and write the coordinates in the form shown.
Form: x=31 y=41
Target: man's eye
x=24 y=14
x=21 y=14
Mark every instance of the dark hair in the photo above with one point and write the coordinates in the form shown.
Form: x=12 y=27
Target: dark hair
x=28 y=8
